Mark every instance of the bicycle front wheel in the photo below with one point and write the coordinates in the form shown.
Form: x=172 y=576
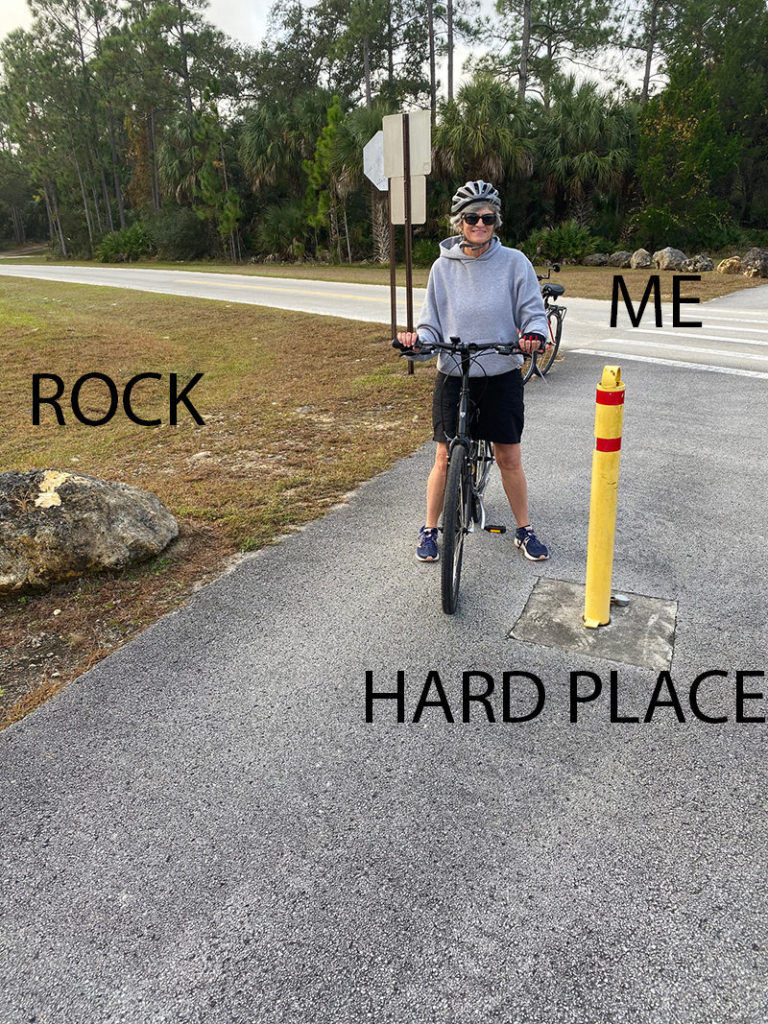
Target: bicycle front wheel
x=529 y=364
x=545 y=359
x=455 y=522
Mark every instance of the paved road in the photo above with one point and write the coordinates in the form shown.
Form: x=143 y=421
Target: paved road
x=328 y=298
x=205 y=829
x=734 y=334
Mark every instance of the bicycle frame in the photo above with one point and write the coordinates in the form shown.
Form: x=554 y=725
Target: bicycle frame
x=469 y=464
x=463 y=437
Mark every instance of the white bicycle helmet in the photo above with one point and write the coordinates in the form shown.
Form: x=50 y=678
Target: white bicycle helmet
x=475 y=192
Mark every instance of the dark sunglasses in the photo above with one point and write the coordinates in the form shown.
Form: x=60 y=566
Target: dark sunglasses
x=473 y=218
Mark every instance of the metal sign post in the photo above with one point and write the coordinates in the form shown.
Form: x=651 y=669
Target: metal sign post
x=392 y=270
x=408 y=239
x=407 y=162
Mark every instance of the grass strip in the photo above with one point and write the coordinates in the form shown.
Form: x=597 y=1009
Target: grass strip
x=298 y=411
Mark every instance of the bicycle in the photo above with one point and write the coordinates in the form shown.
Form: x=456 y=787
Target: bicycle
x=541 y=364
x=469 y=466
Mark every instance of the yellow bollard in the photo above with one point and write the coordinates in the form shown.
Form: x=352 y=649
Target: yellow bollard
x=609 y=416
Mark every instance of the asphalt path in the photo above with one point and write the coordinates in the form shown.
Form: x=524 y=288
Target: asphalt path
x=204 y=828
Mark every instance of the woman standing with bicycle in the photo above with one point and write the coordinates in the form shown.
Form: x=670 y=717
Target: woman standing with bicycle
x=481 y=291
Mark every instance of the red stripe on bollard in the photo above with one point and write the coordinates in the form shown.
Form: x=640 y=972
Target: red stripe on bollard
x=608 y=444
x=610 y=397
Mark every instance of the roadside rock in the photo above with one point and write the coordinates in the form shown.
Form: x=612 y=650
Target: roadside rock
x=596 y=259
x=54 y=526
x=697 y=264
x=620 y=259
x=640 y=259
x=668 y=259
x=731 y=265
x=754 y=263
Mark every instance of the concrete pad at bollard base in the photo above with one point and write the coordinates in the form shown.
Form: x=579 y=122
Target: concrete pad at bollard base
x=641 y=633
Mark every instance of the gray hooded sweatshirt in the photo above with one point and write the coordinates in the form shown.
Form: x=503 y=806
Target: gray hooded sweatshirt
x=485 y=299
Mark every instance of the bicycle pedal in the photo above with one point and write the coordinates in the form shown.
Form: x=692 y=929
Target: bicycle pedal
x=495 y=529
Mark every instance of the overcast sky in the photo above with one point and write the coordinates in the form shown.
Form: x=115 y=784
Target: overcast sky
x=245 y=20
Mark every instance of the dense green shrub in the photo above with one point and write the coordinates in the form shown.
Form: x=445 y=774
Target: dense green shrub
x=125 y=246
x=279 y=228
x=568 y=243
x=687 y=163
x=180 y=234
x=425 y=252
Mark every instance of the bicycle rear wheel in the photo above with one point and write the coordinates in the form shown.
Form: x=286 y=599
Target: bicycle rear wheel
x=545 y=359
x=455 y=522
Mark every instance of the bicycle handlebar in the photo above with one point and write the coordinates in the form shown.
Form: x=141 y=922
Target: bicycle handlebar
x=550 y=268
x=456 y=347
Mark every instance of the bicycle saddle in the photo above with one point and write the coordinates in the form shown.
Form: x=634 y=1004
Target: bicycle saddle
x=552 y=289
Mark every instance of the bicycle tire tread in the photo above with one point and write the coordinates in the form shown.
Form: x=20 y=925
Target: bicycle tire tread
x=453 y=531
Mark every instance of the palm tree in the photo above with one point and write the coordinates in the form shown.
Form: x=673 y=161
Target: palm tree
x=485 y=133
x=276 y=139
x=179 y=158
x=586 y=146
x=355 y=131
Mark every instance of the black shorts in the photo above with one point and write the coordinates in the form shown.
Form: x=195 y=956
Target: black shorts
x=496 y=409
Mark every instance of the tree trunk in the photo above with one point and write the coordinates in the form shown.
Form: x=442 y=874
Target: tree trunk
x=94 y=133
x=333 y=230
x=54 y=218
x=84 y=194
x=112 y=139
x=432 y=68
x=184 y=59
x=346 y=232
x=154 y=169
x=116 y=170
x=525 y=45
x=379 y=224
x=367 y=70
x=18 y=226
x=449 y=41
x=649 y=47
x=105 y=195
x=390 y=51
x=95 y=200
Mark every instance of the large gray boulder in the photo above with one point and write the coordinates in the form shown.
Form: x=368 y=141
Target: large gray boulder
x=620 y=259
x=754 y=263
x=640 y=259
x=697 y=264
x=595 y=259
x=668 y=259
x=54 y=526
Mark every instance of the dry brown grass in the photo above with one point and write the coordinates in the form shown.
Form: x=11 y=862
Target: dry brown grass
x=298 y=411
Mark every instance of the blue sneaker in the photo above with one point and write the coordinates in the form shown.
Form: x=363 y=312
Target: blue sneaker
x=530 y=545
x=427 y=549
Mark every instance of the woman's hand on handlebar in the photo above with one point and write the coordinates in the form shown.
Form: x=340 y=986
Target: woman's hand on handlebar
x=407 y=338
x=531 y=343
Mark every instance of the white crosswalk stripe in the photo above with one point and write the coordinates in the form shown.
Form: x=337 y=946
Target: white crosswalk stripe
x=731 y=339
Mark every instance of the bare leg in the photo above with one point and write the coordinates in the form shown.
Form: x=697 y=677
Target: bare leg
x=436 y=486
x=510 y=465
